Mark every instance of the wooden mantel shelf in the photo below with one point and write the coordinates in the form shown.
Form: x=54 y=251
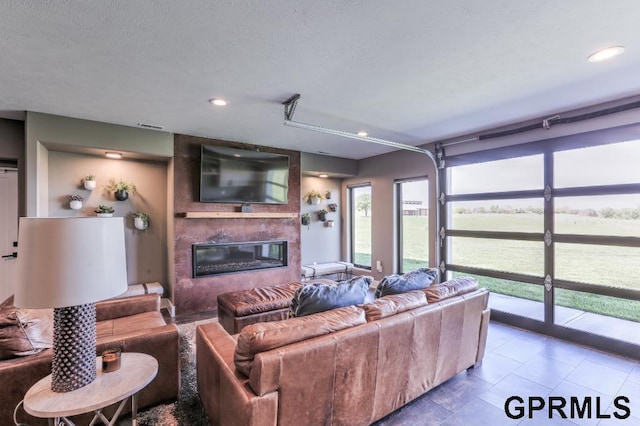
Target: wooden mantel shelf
x=238 y=215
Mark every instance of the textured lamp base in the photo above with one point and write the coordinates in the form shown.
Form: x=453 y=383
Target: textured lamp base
x=74 y=347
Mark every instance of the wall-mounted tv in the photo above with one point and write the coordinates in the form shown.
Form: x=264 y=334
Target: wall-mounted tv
x=232 y=175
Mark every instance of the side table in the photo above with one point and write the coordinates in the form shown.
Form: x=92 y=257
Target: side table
x=136 y=371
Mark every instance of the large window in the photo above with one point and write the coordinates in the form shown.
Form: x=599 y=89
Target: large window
x=360 y=203
x=554 y=234
x=412 y=198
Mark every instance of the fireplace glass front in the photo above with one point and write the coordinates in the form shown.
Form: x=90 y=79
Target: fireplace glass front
x=224 y=258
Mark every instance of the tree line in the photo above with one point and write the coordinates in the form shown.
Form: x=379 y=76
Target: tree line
x=605 y=212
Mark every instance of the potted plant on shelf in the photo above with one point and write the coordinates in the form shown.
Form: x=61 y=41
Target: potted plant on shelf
x=322 y=215
x=121 y=188
x=75 y=202
x=89 y=182
x=306 y=219
x=314 y=197
x=104 y=211
x=141 y=220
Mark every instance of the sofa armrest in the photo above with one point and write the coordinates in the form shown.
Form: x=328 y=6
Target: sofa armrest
x=484 y=330
x=116 y=308
x=225 y=394
x=17 y=375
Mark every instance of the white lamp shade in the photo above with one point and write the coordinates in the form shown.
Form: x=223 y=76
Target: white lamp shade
x=69 y=261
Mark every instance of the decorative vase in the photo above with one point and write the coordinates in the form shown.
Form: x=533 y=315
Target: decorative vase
x=322 y=216
x=121 y=195
x=315 y=200
x=140 y=223
x=105 y=214
x=306 y=220
x=75 y=204
x=89 y=184
x=329 y=223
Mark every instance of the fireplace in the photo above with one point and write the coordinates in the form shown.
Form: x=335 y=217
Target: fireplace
x=226 y=258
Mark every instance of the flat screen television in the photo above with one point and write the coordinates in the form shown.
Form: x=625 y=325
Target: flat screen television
x=232 y=175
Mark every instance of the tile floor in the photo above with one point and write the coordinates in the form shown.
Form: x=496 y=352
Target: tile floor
x=521 y=363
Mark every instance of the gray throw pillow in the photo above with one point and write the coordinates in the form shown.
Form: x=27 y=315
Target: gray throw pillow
x=311 y=298
x=414 y=280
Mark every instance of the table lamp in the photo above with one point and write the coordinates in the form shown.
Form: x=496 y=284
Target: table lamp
x=69 y=264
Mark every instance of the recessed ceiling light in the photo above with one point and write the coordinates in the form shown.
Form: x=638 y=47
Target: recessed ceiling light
x=323 y=175
x=116 y=155
x=218 y=102
x=362 y=133
x=606 y=53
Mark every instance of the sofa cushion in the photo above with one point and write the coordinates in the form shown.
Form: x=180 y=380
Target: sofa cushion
x=394 y=304
x=447 y=289
x=106 y=329
x=414 y=280
x=264 y=336
x=316 y=297
x=24 y=331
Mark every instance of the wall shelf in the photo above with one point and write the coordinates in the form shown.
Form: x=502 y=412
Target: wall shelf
x=238 y=215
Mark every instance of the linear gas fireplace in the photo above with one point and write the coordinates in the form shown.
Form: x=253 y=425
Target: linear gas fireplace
x=225 y=258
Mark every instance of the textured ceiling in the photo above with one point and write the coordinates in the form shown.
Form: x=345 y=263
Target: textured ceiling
x=409 y=71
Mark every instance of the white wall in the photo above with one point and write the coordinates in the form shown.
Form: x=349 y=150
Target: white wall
x=318 y=242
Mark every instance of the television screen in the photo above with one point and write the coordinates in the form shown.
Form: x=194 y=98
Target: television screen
x=232 y=175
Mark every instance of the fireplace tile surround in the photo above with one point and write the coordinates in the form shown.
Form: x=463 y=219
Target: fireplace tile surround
x=200 y=294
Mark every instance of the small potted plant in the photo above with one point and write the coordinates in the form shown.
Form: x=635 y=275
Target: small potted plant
x=306 y=219
x=89 y=182
x=121 y=188
x=314 y=197
x=75 y=202
x=322 y=215
x=141 y=220
x=104 y=211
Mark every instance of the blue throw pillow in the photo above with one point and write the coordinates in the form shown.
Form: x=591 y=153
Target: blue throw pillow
x=414 y=280
x=317 y=297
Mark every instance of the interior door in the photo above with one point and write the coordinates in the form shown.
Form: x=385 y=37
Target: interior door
x=8 y=230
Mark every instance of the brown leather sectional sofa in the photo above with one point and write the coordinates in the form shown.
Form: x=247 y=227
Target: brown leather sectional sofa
x=347 y=366
x=133 y=324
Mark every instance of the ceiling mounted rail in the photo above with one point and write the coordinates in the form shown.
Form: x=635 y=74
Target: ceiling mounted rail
x=289 y=109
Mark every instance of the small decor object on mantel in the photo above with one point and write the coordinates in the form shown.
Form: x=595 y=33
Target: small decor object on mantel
x=322 y=215
x=121 y=188
x=141 y=220
x=314 y=197
x=75 y=202
x=104 y=211
x=89 y=182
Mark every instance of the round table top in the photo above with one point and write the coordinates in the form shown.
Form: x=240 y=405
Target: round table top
x=136 y=371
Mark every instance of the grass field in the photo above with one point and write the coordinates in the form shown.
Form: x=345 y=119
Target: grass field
x=594 y=264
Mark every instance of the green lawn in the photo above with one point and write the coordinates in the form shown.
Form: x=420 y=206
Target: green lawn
x=604 y=265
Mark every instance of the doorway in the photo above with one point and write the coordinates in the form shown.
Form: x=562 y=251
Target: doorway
x=8 y=230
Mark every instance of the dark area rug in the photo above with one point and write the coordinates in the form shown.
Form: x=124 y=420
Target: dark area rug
x=187 y=410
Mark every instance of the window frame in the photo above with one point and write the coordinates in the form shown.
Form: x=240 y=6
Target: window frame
x=550 y=194
x=352 y=228
x=399 y=218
